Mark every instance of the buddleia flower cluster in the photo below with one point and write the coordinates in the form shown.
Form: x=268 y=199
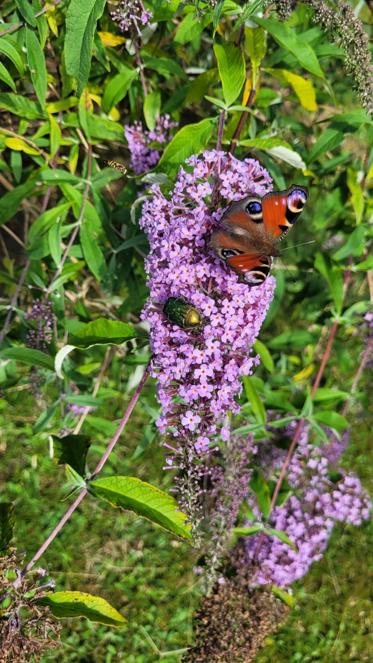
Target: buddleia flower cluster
x=143 y=155
x=131 y=16
x=323 y=494
x=198 y=374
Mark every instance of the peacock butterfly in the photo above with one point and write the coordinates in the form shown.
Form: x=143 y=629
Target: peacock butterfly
x=250 y=229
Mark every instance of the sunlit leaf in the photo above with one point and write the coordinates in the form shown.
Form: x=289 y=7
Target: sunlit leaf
x=80 y=604
x=232 y=70
x=145 y=500
x=103 y=332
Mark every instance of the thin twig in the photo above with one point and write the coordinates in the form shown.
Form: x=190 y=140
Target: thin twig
x=21 y=24
x=108 y=357
x=315 y=386
x=141 y=68
x=12 y=235
x=78 y=223
x=14 y=301
x=366 y=356
x=301 y=423
x=241 y=122
x=67 y=515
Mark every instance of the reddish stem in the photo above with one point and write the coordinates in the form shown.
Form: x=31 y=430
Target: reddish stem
x=97 y=469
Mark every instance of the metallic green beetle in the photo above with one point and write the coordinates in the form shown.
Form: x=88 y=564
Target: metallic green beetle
x=182 y=313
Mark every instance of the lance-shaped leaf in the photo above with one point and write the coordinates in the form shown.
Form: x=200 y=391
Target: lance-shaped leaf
x=292 y=42
x=232 y=70
x=261 y=489
x=80 y=604
x=37 y=66
x=6 y=525
x=29 y=356
x=103 y=332
x=72 y=450
x=81 y=19
x=145 y=500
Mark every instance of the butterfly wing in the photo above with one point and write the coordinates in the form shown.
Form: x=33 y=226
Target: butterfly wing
x=250 y=229
x=253 y=267
x=281 y=209
x=249 y=264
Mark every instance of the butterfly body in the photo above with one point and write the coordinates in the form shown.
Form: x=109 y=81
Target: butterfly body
x=250 y=229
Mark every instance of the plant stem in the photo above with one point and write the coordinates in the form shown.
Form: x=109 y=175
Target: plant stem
x=301 y=423
x=79 y=221
x=300 y=426
x=242 y=121
x=67 y=515
x=13 y=302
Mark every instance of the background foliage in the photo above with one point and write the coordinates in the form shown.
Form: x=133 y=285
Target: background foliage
x=70 y=81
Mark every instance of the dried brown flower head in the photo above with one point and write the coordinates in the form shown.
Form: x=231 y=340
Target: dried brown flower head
x=26 y=629
x=233 y=622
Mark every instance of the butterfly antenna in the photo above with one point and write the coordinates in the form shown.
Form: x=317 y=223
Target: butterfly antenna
x=294 y=246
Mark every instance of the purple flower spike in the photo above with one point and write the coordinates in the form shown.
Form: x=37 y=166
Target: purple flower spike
x=198 y=376
x=144 y=157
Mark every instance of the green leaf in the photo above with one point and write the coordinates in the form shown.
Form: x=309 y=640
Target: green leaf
x=26 y=11
x=334 y=279
x=190 y=27
x=45 y=417
x=90 y=232
x=80 y=604
x=264 y=143
x=81 y=20
x=284 y=596
x=102 y=332
x=189 y=140
x=10 y=201
x=324 y=394
x=350 y=120
x=254 y=399
x=145 y=500
x=280 y=535
x=357 y=196
x=12 y=51
x=46 y=220
x=353 y=246
x=29 y=356
x=117 y=88
x=293 y=339
x=260 y=487
x=292 y=42
x=265 y=355
x=332 y=419
x=152 y=107
x=232 y=70
x=57 y=176
x=37 y=66
x=25 y=108
x=164 y=66
x=72 y=450
x=104 y=129
x=6 y=525
x=328 y=140
x=55 y=135
x=248 y=531
x=255 y=44
x=6 y=77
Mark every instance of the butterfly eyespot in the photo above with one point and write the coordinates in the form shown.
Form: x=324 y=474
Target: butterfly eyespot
x=228 y=253
x=297 y=200
x=254 y=208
